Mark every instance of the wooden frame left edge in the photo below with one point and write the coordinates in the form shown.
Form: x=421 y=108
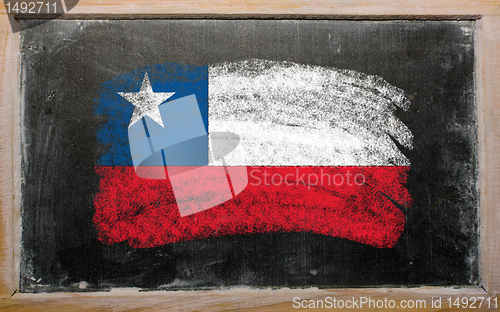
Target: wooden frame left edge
x=9 y=160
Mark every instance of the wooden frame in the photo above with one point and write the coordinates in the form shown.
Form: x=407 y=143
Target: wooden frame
x=487 y=14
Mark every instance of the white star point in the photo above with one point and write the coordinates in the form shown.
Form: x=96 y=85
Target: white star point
x=146 y=102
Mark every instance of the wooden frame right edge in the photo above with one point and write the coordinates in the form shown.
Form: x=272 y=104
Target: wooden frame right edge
x=488 y=78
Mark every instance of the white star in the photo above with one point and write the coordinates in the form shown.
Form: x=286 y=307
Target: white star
x=146 y=102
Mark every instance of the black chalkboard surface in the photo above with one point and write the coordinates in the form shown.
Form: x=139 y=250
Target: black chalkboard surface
x=388 y=94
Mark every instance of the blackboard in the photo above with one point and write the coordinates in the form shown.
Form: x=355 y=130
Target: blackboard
x=65 y=63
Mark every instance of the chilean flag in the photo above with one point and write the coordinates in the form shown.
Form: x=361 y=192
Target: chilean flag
x=190 y=152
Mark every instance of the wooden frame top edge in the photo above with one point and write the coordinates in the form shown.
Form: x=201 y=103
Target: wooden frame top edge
x=287 y=7
x=256 y=16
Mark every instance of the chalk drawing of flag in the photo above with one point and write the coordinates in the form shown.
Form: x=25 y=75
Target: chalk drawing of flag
x=191 y=152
